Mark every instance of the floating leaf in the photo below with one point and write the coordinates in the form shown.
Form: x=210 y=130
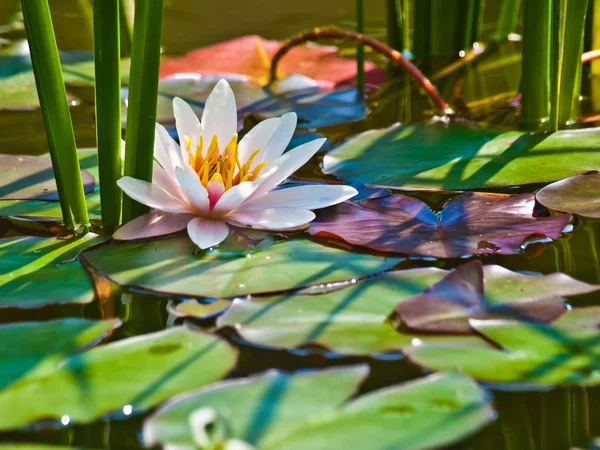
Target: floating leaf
x=23 y=446
x=351 y=318
x=32 y=178
x=578 y=195
x=471 y=223
x=128 y=376
x=172 y=266
x=197 y=310
x=37 y=271
x=310 y=411
x=527 y=354
x=447 y=306
x=461 y=156
x=250 y=56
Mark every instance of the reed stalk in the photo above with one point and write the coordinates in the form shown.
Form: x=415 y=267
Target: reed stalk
x=360 y=48
x=507 y=21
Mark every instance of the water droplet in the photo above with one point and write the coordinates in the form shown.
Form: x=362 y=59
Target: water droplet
x=65 y=420
x=462 y=53
x=242 y=285
x=127 y=410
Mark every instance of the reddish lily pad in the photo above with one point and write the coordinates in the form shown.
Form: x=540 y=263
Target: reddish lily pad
x=27 y=177
x=447 y=306
x=472 y=223
x=251 y=55
x=577 y=195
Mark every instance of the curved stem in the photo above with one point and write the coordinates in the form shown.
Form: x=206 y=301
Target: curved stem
x=590 y=56
x=394 y=56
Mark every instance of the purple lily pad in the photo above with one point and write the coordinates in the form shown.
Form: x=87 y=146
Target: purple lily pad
x=446 y=306
x=27 y=177
x=472 y=223
x=578 y=195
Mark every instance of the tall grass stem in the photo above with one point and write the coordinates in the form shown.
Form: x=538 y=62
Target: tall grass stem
x=360 y=48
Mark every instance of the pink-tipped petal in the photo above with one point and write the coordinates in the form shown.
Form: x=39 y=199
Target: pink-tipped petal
x=176 y=155
x=215 y=189
x=233 y=198
x=286 y=165
x=161 y=154
x=303 y=197
x=219 y=116
x=187 y=123
x=169 y=183
x=271 y=219
x=195 y=193
x=207 y=233
x=153 y=195
x=154 y=223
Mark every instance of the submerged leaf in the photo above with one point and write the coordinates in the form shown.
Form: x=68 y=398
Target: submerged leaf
x=447 y=306
x=578 y=195
x=312 y=411
x=30 y=267
x=528 y=354
x=124 y=377
x=457 y=155
x=471 y=223
x=172 y=266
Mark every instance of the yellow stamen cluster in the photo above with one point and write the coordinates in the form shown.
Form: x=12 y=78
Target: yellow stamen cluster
x=222 y=166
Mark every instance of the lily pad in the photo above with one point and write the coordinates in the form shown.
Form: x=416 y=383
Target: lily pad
x=527 y=354
x=250 y=56
x=309 y=411
x=197 y=310
x=37 y=271
x=457 y=155
x=128 y=376
x=32 y=178
x=447 y=306
x=472 y=223
x=352 y=318
x=577 y=195
x=172 y=266
x=24 y=446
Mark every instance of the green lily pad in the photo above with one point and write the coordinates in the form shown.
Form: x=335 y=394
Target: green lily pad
x=37 y=271
x=171 y=266
x=353 y=320
x=197 y=310
x=526 y=354
x=88 y=160
x=124 y=377
x=39 y=347
x=578 y=195
x=309 y=411
x=24 y=446
x=457 y=155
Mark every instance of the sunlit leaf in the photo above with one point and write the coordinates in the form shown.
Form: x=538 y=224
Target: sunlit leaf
x=310 y=411
x=527 y=354
x=172 y=266
x=37 y=271
x=124 y=377
x=462 y=156
x=471 y=223
x=578 y=195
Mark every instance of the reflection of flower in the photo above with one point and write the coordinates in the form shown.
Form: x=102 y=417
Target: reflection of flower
x=209 y=431
x=211 y=181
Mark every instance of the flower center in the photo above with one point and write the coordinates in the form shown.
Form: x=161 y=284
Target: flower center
x=224 y=167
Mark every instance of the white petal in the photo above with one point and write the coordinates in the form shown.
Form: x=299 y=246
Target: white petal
x=154 y=223
x=187 y=123
x=161 y=154
x=152 y=195
x=233 y=198
x=271 y=219
x=303 y=197
x=173 y=150
x=169 y=183
x=286 y=165
x=219 y=116
x=190 y=184
x=281 y=138
x=207 y=233
x=258 y=138
x=199 y=420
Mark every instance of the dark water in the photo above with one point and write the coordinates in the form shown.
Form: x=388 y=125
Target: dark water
x=553 y=420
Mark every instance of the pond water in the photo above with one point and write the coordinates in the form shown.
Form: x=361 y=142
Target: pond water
x=553 y=419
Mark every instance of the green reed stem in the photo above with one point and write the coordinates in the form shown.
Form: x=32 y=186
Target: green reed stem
x=107 y=58
x=568 y=38
x=360 y=48
x=509 y=16
x=55 y=111
x=395 y=27
x=143 y=93
x=537 y=62
x=126 y=10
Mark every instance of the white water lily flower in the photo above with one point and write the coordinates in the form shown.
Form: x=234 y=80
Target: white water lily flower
x=211 y=181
